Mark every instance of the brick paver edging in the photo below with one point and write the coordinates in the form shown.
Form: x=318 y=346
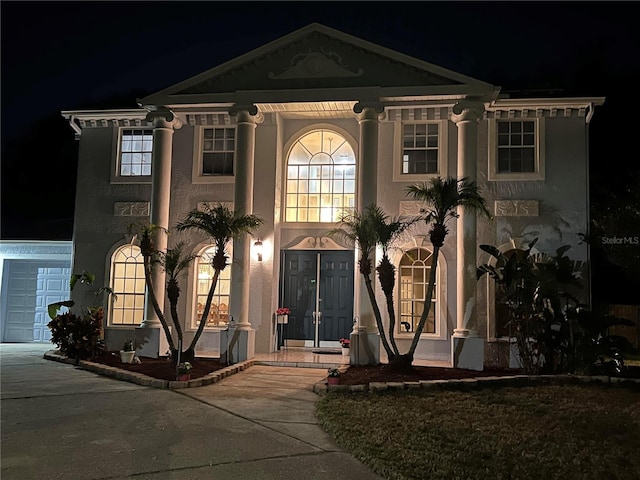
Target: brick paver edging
x=145 y=380
x=473 y=383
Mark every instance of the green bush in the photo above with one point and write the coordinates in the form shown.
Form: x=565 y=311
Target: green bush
x=78 y=336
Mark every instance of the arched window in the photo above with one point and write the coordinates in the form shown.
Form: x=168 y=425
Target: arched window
x=219 y=311
x=321 y=178
x=414 y=271
x=127 y=283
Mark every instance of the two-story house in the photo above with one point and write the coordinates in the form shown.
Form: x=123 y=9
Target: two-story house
x=297 y=131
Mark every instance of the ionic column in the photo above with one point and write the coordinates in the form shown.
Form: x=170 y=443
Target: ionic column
x=164 y=123
x=365 y=348
x=247 y=117
x=466 y=116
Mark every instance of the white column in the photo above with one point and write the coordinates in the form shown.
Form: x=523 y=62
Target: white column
x=366 y=340
x=241 y=337
x=467 y=348
x=164 y=123
x=150 y=338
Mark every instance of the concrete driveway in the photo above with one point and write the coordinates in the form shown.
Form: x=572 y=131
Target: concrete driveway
x=62 y=422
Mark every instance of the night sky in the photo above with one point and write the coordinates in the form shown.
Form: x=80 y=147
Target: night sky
x=74 y=55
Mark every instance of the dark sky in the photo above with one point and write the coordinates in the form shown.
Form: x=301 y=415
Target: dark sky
x=71 y=55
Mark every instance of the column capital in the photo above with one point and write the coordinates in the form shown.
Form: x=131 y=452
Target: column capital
x=369 y=110
x=164 y=118
x=467 y=111
x=246 y=113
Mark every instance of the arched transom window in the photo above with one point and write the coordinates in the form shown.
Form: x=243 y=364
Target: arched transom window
x=321 y=178
x=127 y=283
x=219 y=311
x=415 y=269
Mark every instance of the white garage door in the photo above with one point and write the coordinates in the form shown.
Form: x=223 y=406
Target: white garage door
x=31 y=285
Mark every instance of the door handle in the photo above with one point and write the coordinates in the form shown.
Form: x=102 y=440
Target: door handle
x=313 y=314
x=319 y=317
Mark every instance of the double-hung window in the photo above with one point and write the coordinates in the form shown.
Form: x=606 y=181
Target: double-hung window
x=215 y=155
x=136 y=148
x=421 y=147
x=516 y=149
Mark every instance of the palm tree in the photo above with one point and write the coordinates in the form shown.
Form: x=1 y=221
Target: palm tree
x=441 y=198
x=362 y=228
x=222 y=225
x=387 y=230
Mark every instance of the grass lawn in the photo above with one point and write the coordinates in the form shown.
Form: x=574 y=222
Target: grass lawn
x=542 y=432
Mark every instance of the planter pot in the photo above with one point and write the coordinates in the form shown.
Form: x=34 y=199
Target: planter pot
x=282 y=319
x=126 y=356
x=345 y=351
x=185 y=377
x=333 y=380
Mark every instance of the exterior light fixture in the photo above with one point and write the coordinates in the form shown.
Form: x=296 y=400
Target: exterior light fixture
x=258 y=246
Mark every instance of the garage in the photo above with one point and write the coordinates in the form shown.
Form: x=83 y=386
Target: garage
x=33 y=275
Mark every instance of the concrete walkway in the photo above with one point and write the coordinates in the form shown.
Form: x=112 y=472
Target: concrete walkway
x=62 y=422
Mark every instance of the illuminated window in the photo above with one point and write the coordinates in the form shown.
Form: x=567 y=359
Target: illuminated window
x=219 y=311
x=420 y=148
x=321 y=178
x=218 y=147
x=516 y=149
x=415 y=269
x=136 y=146
x=127 y=283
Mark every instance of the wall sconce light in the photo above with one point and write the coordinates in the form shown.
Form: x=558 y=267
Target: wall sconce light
x=258 y=246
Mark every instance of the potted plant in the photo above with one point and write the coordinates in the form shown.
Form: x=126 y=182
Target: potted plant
x=183 y=371
x=345 y=343
x=282 y=315
x=333 y=376
x=128 y=351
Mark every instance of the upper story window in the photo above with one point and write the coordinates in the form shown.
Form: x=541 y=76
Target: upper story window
x=219 y=310
x=127 y=283
x=136 y=147
x=321 y=178
x=420 y=150
x=516 y=150
x=214 y=152
x=414 y=271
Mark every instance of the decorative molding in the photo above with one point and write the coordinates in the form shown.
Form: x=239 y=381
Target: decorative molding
x=516 y=208
x=409 y=207
x=322 y=64
x=201 y=205
x=417 y=114
x=510 y=113
x=316 y=243
x=131 y=209
x=213 y=119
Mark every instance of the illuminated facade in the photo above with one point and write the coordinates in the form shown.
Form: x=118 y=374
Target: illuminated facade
x=296 y=131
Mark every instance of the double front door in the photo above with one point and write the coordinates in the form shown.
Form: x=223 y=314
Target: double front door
x=317 y=287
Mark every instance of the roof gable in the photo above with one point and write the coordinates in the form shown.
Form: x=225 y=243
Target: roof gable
x=313 y=59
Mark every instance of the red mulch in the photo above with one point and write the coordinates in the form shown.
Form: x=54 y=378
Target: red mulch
x=161 y=367
x=386 y=373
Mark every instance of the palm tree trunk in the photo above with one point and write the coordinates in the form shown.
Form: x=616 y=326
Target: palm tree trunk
x=205 y=313
x=392 y=324
x=378 y=316
x=427 y=305
x=154 y=303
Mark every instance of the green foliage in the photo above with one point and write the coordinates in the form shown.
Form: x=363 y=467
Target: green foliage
x=78 y=336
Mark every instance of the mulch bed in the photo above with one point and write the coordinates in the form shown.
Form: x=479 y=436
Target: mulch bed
x=385 y=373
x=161 y=367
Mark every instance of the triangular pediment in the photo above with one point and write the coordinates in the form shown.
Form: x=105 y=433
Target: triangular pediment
x=317 y=59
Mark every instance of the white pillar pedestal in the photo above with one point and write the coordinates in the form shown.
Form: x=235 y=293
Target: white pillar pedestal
x=151 y=342
x=237 y=345
x=467 y=353
x=364 y=348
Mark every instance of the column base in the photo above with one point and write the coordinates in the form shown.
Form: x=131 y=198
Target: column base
x=364 y=348
x=237 y=345
x=151 y=342
x=467 y=352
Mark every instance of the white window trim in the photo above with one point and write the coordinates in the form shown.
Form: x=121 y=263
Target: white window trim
x=196 y=173
x=115 y=159
x=443 y=152
x=440 y=295
x=539 y=173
